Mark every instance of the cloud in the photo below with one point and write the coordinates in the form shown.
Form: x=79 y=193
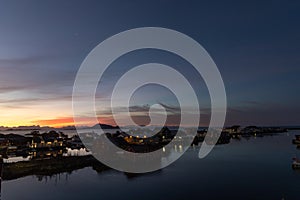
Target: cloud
x=43 y=74
x=5 y=89
x=35 y=100
x=24 y=61
x=138 y=109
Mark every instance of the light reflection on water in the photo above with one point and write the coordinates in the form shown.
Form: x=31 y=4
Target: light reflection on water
x=255 y=168
x=50 y=153
x=77 y=152
x=17 y=159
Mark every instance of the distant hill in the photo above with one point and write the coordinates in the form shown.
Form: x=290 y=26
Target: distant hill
x=106 y=126
x=47 y=128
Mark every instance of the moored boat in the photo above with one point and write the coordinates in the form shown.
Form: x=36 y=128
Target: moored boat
x=297 y=137
x=296 y=141
x=296 y=163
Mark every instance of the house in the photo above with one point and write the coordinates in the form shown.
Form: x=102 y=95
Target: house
x=50 y=139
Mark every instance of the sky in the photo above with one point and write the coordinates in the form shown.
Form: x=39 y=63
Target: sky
x=255 y=44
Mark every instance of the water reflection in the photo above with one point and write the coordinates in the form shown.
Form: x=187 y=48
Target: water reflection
x=51 y=153
x=256 y=169
x=246 y=164
x=77 y=152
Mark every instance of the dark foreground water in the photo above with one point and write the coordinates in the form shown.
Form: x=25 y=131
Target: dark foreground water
x=258 y=168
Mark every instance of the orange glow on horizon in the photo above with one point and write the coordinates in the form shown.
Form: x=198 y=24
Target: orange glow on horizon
x=56 y=122
x=60 y=122
x=69 y=121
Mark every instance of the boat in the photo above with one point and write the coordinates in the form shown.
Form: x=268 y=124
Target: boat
x=297 y=137
x=296 y=141
x=296 y=163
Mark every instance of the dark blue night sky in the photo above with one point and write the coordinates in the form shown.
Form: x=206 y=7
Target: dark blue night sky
x=255 y=44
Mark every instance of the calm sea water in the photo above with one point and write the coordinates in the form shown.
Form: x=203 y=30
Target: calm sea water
x=258 y=168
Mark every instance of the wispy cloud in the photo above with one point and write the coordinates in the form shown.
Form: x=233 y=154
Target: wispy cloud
x=36 y=100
